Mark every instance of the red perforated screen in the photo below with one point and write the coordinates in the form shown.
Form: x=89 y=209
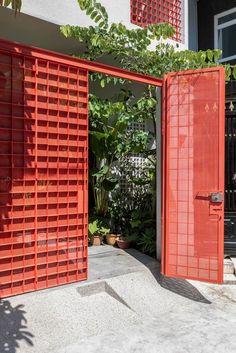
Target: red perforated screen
x=145 y=12
x=43 y=171
x=193 y=173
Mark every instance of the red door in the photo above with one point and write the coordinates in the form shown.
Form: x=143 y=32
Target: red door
x=193 y=205
x=43 y=169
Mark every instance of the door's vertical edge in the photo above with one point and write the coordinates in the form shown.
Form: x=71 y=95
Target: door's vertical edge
x=221 y=171
x=36 y=172
x=86 y=178
x=164 y=172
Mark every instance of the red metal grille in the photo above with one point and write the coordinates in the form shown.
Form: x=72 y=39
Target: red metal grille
x=43 y=171
x=145 y=12
x=194 y=169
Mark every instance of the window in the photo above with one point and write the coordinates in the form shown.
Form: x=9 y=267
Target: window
x=145 y=12
x=225 y=33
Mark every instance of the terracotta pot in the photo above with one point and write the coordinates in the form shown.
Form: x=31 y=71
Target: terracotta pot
x=96 y=240
x=111 y=239
x=123 y=244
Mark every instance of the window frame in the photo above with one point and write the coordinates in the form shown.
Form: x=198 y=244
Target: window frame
x=218 y=27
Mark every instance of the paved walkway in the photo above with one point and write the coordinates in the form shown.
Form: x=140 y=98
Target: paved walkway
x=126 y=306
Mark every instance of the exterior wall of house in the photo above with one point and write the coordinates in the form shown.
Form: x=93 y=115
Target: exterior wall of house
x=38 y=24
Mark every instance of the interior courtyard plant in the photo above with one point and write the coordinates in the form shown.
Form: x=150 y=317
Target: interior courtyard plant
x=97 y=231
x=110 y=140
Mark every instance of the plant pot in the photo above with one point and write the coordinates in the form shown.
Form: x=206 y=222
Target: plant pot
x=123 y=244
x=96 y=240
x=111 y=239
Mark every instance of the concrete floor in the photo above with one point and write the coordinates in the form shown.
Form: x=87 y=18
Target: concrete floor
x=125 y=306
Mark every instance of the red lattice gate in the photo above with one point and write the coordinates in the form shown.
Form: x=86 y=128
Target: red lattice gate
x=43 y=170
x=44 y=166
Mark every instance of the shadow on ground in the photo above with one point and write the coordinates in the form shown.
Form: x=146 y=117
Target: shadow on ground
x=176 y=285
x=13 y=327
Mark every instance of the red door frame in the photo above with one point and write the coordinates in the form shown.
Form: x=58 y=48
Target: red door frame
x=221 y=170
x=82 y=63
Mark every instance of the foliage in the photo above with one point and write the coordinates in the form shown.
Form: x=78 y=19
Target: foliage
x=96 y=228
x=143 y=51
x=129 y=49
x=95 y=10
x=144 y=232
x=110 y=140
x=147 y=241
x=15 y=4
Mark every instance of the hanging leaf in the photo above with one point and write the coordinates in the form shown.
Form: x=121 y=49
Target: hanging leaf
x=95 y=11
x=234 y=72
x=227 y=72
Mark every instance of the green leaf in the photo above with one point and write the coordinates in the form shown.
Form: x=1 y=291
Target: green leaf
x=6 y=3
x=227 y=72
x=135 y=223
x=102 y=172
x=109 y=185
x=93 y=227
x=234 y=72
x=210 y=54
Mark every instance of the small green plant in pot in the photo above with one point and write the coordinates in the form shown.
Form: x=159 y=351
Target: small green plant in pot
x=97 y=232
x=126 y=240
x=112 y=238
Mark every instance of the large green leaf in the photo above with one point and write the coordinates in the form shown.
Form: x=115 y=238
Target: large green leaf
x=102 y=172
x=109 y=184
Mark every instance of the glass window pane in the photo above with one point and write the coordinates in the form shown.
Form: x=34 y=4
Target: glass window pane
x=226 y=41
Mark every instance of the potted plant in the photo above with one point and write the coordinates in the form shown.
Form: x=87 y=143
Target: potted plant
x=97 y=232
x=112 y=238
x=125 y=241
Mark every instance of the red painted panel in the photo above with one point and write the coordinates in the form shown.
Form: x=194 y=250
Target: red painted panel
x=193 y=224
x=145 y=12
x=43 y=170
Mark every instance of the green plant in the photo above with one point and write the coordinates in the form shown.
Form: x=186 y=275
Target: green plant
x=110 y=140
x=129 y=49
x=15 y=4
x=147 y=241
x=96 y=228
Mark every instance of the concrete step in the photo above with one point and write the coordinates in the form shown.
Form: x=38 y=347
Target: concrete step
x=229 y=279
x=229 y=267
x=233 y=259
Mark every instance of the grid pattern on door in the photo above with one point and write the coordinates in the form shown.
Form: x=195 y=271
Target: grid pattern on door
x=194 y=164
x=43 y=172
x=145 y=12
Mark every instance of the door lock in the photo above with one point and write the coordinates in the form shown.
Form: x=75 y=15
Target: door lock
x=216 y=197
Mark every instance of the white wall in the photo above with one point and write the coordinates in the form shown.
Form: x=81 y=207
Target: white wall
x=68 y=12
x=63 y=12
